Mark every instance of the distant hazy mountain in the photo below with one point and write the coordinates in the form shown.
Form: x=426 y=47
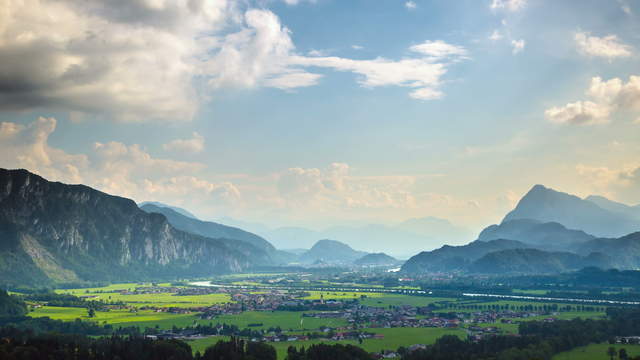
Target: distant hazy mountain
x=207 y=228
x=377 y=259
x=550 y=235
x=436 y=228
x=329 y=252
x=179 y=210
x=450 y=258
x=402 y=240
x=534 y=261
x=548 y=205
x=603 y=202
x=254 y=227
x=292 y=237
x=53 y=232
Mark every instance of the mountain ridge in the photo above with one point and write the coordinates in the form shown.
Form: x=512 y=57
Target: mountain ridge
x=54 y=232
x=548 y=205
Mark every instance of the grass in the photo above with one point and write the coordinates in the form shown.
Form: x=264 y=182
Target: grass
x=393 y=339
x=110 y=293
x=515 y=305
x=116 y=317
x=338 y=295
x=396 y=300
x=145 y=318
x=530 y=292
x=596 y=352
x=285 y=319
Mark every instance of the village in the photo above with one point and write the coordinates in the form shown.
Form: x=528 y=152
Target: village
x=477 y=324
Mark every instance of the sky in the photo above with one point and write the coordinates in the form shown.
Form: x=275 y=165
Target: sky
x=320 y=113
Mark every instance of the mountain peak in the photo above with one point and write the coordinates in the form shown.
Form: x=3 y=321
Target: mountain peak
x=548 y=205
x=331 y=251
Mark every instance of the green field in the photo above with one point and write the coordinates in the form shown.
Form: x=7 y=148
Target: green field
x=339 y=295
x=596 y=352
x=393 y=339
x=396 y=300
x=144 y=318
x=530 y=292
x=285 y=319
x=110 y=293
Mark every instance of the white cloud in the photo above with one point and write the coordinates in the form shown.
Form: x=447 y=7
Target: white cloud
x=608 y=97
x=296 y=2
x=579 y=113
x=518 y=45
x=357 y=47
x=334 y=188
x=410 y=5
x=191 y=146
x=618 y=183
x=292 y=80
x=439 y=49
x=315 y=52
x=144 y=60
x=296 y=195
x=608 y=46
x=113 y=167
x=509 y=5
x=422 y=74
x=495 y=35
x=128 y=60
x=263 y=54
x=25 y=146
x=625 y=7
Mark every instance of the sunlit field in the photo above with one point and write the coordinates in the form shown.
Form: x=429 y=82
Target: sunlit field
x=110 y=294
x=393 y=338
x=596 y=352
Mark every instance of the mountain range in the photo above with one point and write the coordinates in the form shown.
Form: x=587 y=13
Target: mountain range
x=414 y=235
x=547 y=205
x=57 y=233
x=53 y=232
x=377 y=259
x=545 y=233
x=330 y=252
x=206 y=228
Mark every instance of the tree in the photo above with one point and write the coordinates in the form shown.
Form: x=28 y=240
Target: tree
x=91 y=313
x=622 y=354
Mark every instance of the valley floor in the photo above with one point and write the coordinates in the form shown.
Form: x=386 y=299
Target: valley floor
x=166 y=307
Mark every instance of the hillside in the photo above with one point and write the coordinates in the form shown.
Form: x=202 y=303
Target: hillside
x=450 y=258
x=534 y=261
x=207 y=228
x=179 y=210
x=550 y=235
x=378 y=259
x=603 y=202
x=330 y=252
x=624 y=251
x=53 y=232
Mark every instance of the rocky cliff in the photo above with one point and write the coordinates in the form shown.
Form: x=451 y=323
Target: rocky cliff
x=51 y=231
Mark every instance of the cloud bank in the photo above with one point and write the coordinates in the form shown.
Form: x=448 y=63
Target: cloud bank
x=607 y=98
x=139 y=60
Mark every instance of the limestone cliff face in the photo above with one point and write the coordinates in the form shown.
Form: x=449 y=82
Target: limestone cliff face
x=65 y=232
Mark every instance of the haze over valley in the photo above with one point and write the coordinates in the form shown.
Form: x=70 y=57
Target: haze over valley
x=319 y=180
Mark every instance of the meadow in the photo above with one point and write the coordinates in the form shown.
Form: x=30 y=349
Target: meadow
x=111 y=294
x=393 y=339
x=596 y=352
x=287 y=320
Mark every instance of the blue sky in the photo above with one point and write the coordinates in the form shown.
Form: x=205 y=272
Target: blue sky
x=326 y=112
